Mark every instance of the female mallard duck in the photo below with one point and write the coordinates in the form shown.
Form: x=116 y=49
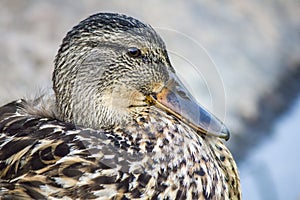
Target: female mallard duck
x=120 y=125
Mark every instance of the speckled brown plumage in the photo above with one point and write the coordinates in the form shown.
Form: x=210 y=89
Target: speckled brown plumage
x=59 y=150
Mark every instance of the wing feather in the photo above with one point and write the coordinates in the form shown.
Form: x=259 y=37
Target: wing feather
x=41 y=157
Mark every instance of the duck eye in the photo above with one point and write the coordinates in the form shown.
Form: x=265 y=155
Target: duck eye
x=134 y=52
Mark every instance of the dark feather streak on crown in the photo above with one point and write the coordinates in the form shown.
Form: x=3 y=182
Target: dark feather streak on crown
x=107 y=21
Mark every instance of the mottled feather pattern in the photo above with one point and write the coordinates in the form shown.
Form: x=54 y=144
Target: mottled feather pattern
x=42 y=157
x=118 y=125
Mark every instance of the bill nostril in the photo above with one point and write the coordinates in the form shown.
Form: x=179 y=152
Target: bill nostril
x=182 y=94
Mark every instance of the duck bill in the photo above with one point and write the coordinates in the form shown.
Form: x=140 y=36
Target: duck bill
x=176 y=100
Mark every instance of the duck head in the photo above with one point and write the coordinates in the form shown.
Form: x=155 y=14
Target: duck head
x=110 y=65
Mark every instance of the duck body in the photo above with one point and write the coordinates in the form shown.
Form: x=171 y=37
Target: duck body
x=44 y=157
x=149 y=154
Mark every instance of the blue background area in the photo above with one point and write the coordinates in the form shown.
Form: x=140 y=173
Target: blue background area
x=272 y=170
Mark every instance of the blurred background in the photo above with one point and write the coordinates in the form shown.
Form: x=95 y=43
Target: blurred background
x=241 y=59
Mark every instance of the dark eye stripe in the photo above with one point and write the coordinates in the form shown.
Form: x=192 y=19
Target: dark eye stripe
x=134 y=52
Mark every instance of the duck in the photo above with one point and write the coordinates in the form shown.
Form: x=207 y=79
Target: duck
x=118 y=124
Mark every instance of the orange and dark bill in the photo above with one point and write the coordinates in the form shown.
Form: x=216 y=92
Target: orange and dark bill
x=177 y=100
